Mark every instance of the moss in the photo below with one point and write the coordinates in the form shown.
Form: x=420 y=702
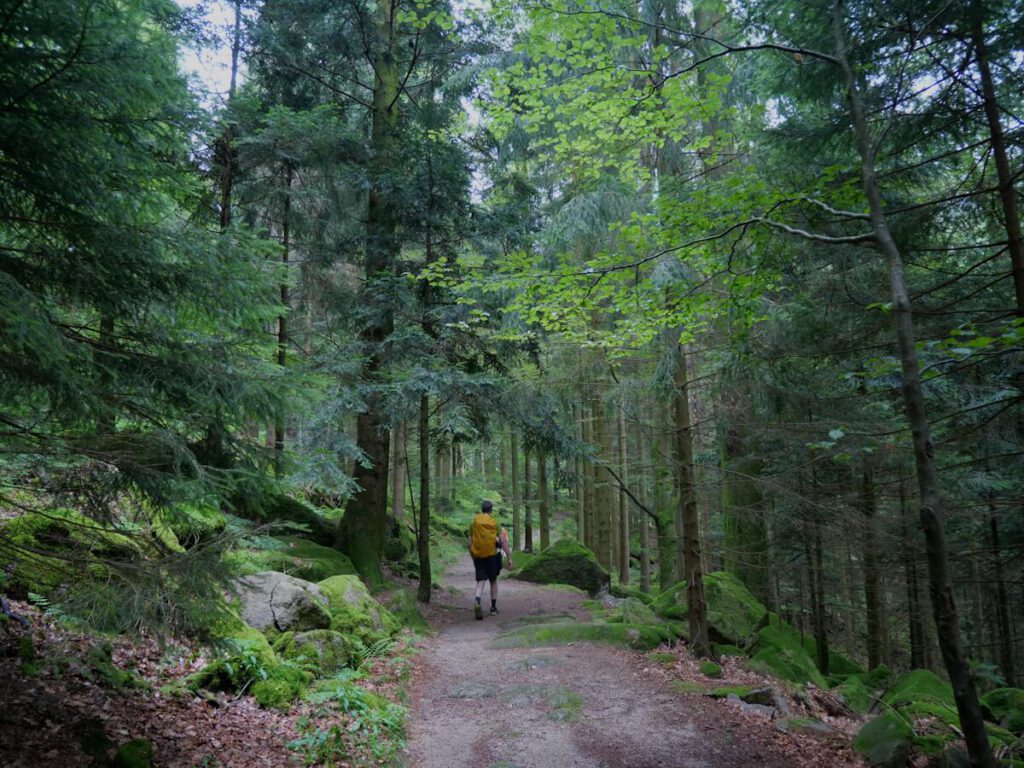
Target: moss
x=730 y=690
x=1006 y=707
x=626 y=591
x=879 y=677
x=840 y=665
x=322 y=651
x=566 y=562
x=624 y=635
x=282 y=685
x=101 y=668
x=137 y=753
x=777 y=651
x=885 y=741
x=307 y=560
x=662 y=657
x=710 y=669
x=636 y=612
x=354 y=611
x=404 y=607
x=919 y=685
x=733 y=613
x=282 y=508
x=68 y=540
x=855 y=693
x=243 y=655
x=192 y=523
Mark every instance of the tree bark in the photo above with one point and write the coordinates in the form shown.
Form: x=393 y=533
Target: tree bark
x=622 y=540
x=543 y=511
x=516 y=495
x=527 y=499
x=423 y=529
x=693 y=569
x=1006 y=662
x=872 y=585
x=943 y=604
x=399 y=462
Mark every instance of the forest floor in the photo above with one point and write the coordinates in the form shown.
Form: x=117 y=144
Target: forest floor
x=580 y=705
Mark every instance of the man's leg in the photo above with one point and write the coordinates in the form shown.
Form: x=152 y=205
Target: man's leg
x=494 y=595
x=478 y=612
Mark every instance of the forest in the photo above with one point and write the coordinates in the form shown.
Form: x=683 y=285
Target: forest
x=724 y=300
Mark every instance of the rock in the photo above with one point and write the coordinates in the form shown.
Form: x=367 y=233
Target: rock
x=306 y=560
x=763 y=696
x=273 y=600
x=636 y=612
x=566 y=562
x=733 y=613
x=1006 y=707
x=855 y=694
x=751 y=709
x=355 y=611
x=885 y=741
x=326 y=650
x=808 y=725
x=777 y=651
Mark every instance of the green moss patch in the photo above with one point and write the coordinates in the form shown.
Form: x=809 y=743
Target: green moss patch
x=885 y=741
x=623 y=635
x=626 y=591
x=354 y=611
x=710 y=669
x=1006 y=707
x=566 y=562
x=404 y=607
x=726 y=691
x=855 y=693
x=285 y=509
x=662 y=657
x=536 y=618
x=840 y=665
x=281 y=686
x=322 y=651
x=733 y=613
x=777 y=651
x=725 y=649
x=137 y=753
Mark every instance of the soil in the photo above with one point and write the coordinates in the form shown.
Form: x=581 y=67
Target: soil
x=478 y=707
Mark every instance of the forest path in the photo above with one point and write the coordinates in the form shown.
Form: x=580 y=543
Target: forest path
x=474 y=706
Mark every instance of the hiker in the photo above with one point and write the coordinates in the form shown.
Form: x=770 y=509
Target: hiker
x=486 y=543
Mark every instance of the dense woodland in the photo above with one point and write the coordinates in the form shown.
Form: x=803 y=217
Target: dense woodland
x=708 y=286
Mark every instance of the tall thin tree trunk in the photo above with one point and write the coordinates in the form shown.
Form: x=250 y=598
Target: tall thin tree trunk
x=544 y=511
x=1002 y=603
x=282 y=319
x=517 y=499
x=693 y=567
x=943 y=604
x=622 y=546
x=605 y=489
x=527 y=502
x=872 y=585
x=918 y=645
x=423 y=529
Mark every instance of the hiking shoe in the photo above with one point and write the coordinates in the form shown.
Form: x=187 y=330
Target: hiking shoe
x=478 y=612
x=494 y=610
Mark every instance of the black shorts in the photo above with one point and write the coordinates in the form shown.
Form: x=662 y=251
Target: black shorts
x=487 y=568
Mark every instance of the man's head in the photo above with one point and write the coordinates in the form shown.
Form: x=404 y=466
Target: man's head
x=487 y=507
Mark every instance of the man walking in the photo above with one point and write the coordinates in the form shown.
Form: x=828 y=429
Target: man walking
x=486 y=543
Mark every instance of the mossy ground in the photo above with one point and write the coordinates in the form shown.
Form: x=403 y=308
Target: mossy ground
x=733 y=613
x=566 y=562
x=293 y=555
x=778 y=651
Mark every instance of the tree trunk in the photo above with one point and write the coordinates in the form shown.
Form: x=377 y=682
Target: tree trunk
x=527 y=499
x=918 y=643
x=693 y=569
x=622 y=541
x=545 y=501
x=1002 y=603
x=872 y=585
x=282 y=319
x=423 y=529
x=1007 y=196
x=665 y=525
x=516 y=495
x=643 y=456
x=399 y=464
x=605 y=489
x=943 y=604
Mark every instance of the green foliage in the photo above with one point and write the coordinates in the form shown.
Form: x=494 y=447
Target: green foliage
x=710 y=669
x=885 y=741
x=777 y=651
x=855 y=693
x=137 y=753
x=355 y=612
x=280 y=686
x=733 y=613
x=1006 y=706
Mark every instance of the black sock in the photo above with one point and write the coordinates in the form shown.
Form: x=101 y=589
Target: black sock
x=478 y=601
x=494 y=603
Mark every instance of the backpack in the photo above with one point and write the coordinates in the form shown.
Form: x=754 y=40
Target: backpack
x=483 y=536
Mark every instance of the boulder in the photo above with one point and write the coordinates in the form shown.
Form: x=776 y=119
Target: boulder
x=324 y=650
x=777 y=651
x=354 y=611
x=1006 y=707
x=307 y=560
x=273 y=600
x=566 y=562
x=885 y=741
x=733 y=613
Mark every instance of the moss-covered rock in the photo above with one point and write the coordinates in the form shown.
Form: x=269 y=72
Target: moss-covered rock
x=274 y=600
x=566 y=562
x=323 y=651
x=855 y=693
x=724 y=649
x=733 y=613
x=840 y=666
x=307 y=560
x=777 y=651
x=242 y=655
x=137 y=753
x=1006 y=707
x=729 y=690
x=354 y=611
x=640 y=637
x=885 y=741
x=624 y=591
x=62 y=542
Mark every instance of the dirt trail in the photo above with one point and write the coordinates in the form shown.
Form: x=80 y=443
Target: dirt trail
x=580 y=705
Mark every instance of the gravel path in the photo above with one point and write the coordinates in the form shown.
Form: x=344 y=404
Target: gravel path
x=579 y=706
